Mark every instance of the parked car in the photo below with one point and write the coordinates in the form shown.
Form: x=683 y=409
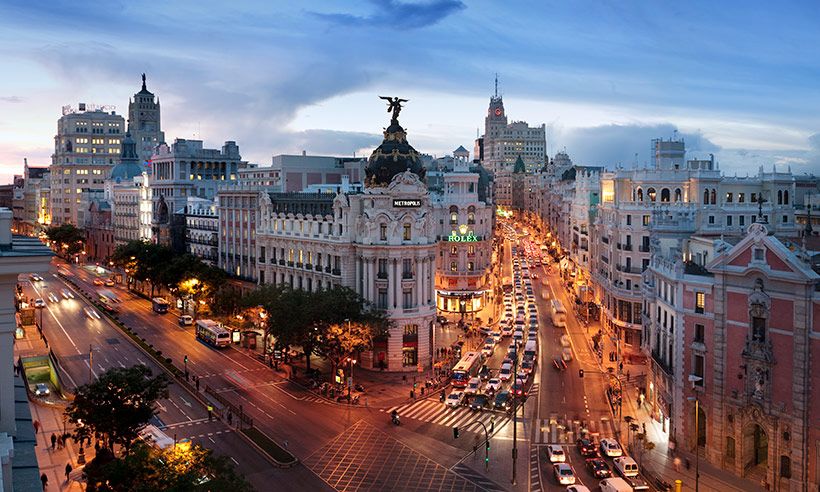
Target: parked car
x=555 y=454
x=598 y=467
x=586 y=447
x=610 y=448
x=454 y=399
x=185 y=320
x=40 y=389
x=564 y=474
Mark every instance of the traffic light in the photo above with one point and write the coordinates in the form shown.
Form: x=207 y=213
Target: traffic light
x=455 y=432
x=580 y=372
x=186 y=359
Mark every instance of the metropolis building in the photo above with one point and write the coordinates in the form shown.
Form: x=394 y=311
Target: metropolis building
x=380 y=242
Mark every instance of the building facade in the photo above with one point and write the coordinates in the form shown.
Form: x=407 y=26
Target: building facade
x=202 y=229
x=503 y=142
x=86 y=147
x=144 y=123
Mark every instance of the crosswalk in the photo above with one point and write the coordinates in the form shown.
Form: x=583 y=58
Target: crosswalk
x=555 y=430
x=435 y=412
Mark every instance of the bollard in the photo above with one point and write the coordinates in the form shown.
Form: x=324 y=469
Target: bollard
x=678 y=485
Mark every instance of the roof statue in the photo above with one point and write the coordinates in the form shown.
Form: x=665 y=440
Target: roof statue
x=394 y=105
x=395 y=155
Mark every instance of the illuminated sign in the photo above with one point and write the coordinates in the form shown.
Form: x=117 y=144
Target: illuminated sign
x=463 y=235
x=405 y=203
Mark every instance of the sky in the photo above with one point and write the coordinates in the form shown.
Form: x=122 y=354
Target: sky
x=740 y=80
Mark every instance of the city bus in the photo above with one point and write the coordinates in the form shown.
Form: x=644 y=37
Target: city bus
x=558 y=313
x=466 y=368
x=159 y=305
x=212 y=333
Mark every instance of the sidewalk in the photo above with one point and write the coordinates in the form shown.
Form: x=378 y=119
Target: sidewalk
x=52 y=462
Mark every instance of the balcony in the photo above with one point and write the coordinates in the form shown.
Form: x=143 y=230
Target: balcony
x=337 y=272
x=282 y=262
x=628 y=269
x=625 y=247
x=290 y=264
x=318 y=268
x=407 y=276
x=308 y=266
x=666 y=368
x=327 y=269
x=382 y=275
x=692 y=268
x=643 y=248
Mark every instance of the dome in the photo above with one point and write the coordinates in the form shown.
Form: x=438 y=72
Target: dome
x=393 y=156
x=129 y=166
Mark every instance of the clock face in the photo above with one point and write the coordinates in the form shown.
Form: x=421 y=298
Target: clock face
x=498 y=111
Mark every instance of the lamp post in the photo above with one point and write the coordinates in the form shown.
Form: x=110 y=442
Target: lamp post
x=694 y=380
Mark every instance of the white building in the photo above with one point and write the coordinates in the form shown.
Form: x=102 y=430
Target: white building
x=202 y=229
x=503 y=142
x=122 y=190
x=86 y=147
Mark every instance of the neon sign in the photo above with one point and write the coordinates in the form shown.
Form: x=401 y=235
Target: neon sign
x=463 y=236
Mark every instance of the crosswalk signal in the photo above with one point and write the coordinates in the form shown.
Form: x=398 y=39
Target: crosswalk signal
x=455 y=432
x=580 y=372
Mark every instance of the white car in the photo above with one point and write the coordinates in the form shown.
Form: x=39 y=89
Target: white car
x=39 y=303
x=67 y=294
x=497 y=335
x=493 y=385
x=473 y=386
x=40 y=389
x=506 y=372
x=91 y=313
x=488 y=350
x=555 y=454
x=185 y=320
x=507 y=330
x=454 y=399
x=578 y=488
x=611 y=448
x=564 y=474
x=52 y=297
x=565 y=340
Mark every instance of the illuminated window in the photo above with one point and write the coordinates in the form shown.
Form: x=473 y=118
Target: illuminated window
x=96 y=171
x=454 y=218
x=82 y=140
x=700 y=302
x=453 y=266
x=406 y=232
x=113 y=150
x=383 y=232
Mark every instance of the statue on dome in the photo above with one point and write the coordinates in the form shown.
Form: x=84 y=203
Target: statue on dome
x=394 y=105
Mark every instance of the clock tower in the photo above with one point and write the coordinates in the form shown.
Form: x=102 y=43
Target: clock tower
x=494 y=125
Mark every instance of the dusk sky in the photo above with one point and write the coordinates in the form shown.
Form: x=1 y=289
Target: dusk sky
x=737 y=79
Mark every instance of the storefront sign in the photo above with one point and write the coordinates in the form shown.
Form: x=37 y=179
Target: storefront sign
x=469 y=237
x=406 y=203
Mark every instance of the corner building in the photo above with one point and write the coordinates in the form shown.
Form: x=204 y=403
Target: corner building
x=380 y=242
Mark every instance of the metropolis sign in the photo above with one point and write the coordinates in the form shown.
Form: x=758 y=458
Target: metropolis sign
x=463 y=235
x=405 y=203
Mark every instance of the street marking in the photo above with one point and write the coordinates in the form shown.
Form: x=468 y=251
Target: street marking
x=186 y=402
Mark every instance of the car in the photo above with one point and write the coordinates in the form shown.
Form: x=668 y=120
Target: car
x=586 y=447
x=497 y=335
x=506 y=372
x=40 y=389
x=565 y=340
x=485 y=373
x=109 y=307
x=98 y=282
x=625 y=466
x=67 y=294
x=479 y=402
x=614 y=484
x=493 y=385
x=91 y=313
x=578 y=488
x=598 y=468
x=507 y=330
x=532 y=334
x=185 y=320
x=109 y=283
x=519 y=388
x=555 y=454
x=473 y=386
x=610 y=448
x=534 y=275
x=39 y=303
x=527 y=366
x=566 y=354
x=52 y=297
x=454 y=399
x=503 y=400
x=522 y=375
x=564 y=474
x=487 y=350
x=518 y=338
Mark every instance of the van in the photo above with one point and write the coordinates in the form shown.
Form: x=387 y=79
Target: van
x=628 y=470
x=615 y=484
x=531 y=349
x=558 y=313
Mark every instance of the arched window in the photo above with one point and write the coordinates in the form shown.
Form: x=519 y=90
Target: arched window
x=678 y=196
x=640 y=195
x=780 y=197
x=706 y=197
x=713 y=196
x=786 y=197
x=665 y=195
x=651 y=194
x=471 y=218
x=453 y=218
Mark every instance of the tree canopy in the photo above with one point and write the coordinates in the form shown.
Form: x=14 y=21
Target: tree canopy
x=117 y=405
x=68 y=239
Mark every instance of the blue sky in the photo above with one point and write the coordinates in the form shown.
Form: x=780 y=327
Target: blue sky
x=738 y=79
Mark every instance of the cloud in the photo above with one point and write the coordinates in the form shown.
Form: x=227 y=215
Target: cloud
x=393 y=14
x=334 y=142
x=610 y=145
x=11 y=99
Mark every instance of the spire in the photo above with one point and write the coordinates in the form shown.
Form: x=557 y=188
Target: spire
x=143 y=82
x=496 y=84
x=519 y=166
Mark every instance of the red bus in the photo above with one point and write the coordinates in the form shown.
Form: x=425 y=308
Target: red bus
x=466 y=368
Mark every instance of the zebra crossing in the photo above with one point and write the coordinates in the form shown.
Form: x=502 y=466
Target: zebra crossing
x=555 y=430
x=435 y=412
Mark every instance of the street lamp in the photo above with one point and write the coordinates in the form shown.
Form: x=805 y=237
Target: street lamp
x=694 y=379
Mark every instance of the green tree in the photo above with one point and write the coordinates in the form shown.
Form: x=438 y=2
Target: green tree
x=182 y=467
x=117 y=405
x=68 y=239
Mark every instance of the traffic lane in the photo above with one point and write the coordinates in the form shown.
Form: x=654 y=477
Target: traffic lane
x=73 y=335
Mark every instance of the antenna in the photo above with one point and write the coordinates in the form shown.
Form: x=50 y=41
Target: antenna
x=496 y=85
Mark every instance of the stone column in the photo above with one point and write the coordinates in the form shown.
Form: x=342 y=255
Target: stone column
x=419 y=266
x=357 y=264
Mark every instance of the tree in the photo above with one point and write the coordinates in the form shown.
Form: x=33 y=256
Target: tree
x=117 y=405
x=181 y=467
x=68 y=239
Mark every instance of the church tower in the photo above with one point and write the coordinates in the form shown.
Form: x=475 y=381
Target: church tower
x=144 y=122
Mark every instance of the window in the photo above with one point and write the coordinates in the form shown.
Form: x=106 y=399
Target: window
x=629 y=220
x=665 y=195
x=759 y=254
x=754 y=197
x=758 y=329
x=729 y=197
x=262 y=254
x=706 y=197
x=453 y=218
x=741 y=197
x=678 y=195
x=651 y=194
x=407 y=298
x=471 y=250
x=699 y=333
x=785 y=219
x=383 y=232
x=645 y=220
x=711 y=219
x=700 y=302
x=411 y=330
x=741 y=220
x=729 y=220
x=713 y=196
x=453 y=266
x=785 y=467
x=407 y=268
x=453 y=250
x=698 y=370
x=382 y=268
x=406 y=235
x=471 y=218
x=470 y=266
x=381 y=300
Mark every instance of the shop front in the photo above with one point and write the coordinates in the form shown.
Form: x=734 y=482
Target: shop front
x=464 y=302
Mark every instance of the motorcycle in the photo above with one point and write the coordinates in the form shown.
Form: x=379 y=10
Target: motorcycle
x=395 y=419
x=359 y=387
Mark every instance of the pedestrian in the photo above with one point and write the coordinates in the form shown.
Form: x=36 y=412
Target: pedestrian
x=197 y=383
x=621 y=367
x=422 y=391
x=68 y=469
x=639 y=401
x=230 y=418
x=60 y=442
x=44 y=480
x=643 y=428
x=210 y=412
x=97 y=446
x=36 y=425
x=412 y=395
x=53 y=440
x=676 y=463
